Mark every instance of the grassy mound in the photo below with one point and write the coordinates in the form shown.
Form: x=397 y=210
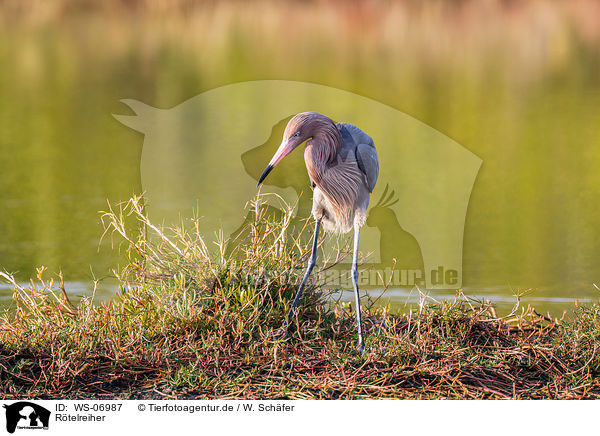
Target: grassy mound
x=189 y=323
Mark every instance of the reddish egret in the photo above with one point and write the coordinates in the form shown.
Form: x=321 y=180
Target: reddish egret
x=342 y=165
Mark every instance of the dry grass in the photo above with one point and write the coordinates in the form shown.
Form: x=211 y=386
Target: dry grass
x=191 y=322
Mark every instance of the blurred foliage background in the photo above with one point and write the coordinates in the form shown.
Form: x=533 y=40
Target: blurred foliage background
x=516 y=83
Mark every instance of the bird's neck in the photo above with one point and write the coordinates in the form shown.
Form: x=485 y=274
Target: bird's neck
x=326 y=141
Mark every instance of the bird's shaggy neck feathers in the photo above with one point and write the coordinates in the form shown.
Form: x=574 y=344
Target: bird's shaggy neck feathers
x=338 y=177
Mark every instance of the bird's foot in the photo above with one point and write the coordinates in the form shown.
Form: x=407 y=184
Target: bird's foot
x=361 y=346
x=282 y=333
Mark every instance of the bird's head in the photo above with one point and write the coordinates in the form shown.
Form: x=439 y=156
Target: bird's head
x=299 y=129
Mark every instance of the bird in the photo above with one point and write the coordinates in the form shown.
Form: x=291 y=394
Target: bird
x=342 y=165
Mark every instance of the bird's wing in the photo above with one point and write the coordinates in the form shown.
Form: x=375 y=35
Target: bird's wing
x=358 y=136
x=366 y=157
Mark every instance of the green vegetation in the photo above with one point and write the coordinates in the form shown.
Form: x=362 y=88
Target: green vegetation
x=190 y=323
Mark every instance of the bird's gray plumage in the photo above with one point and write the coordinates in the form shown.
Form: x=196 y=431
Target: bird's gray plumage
x=357 y=135
x=365 y=153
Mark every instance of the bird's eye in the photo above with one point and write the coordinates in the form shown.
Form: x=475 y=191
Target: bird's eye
x=297 y=133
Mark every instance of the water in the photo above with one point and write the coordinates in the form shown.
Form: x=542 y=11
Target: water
x=519 y=87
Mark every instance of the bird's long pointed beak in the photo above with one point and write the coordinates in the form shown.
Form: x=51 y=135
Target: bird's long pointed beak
x=264 y=174
x=283 y=150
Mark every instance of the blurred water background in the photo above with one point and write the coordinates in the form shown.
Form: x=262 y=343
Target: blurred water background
x=516 y=83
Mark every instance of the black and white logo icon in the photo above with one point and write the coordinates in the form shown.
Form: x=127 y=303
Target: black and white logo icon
x=26 y=415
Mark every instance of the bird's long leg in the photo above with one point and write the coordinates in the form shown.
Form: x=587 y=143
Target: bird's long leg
x=309 y=268
x=354 y=271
